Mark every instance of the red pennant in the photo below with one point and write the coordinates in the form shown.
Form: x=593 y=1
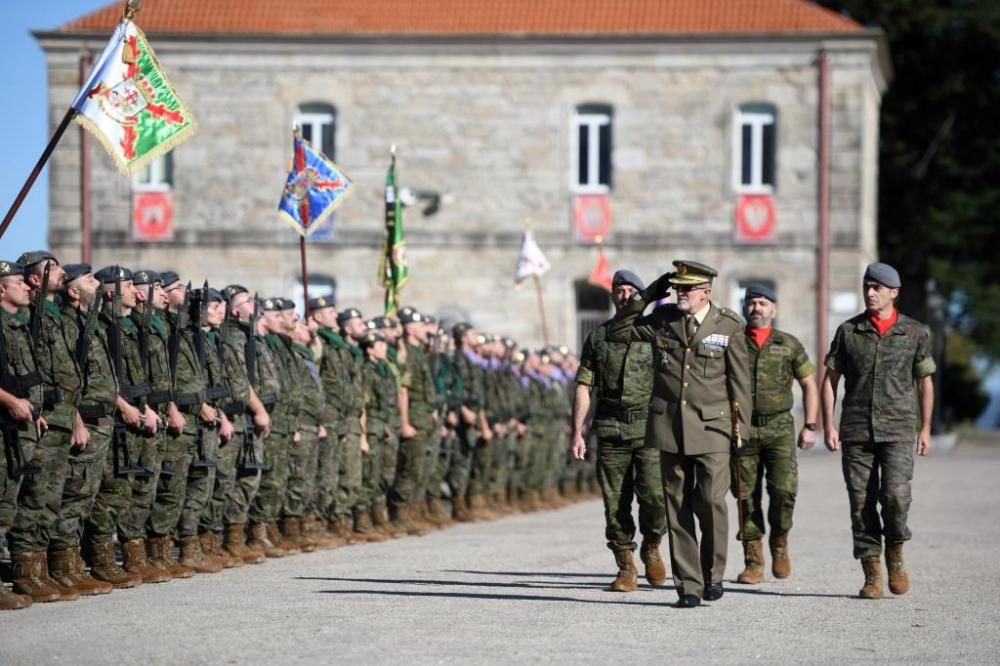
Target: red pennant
x=601 y=275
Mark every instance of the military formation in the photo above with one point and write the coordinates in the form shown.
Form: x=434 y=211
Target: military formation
x=690 y=402
x=153 y=431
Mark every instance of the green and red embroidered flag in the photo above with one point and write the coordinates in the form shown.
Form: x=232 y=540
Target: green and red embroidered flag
x=393 y=271
x=129 y=104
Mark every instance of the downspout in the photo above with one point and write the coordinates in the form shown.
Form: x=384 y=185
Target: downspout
x=823 y=209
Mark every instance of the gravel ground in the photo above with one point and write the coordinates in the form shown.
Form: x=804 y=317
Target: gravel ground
x=530 y=588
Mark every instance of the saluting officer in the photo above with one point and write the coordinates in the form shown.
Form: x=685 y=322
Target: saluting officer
x=776 y=359
x=700 y=362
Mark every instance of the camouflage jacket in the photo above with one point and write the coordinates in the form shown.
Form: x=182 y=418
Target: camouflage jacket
x=57 y=362
x=314 y=411
x=284 y=419
x=416 y=378
x=880 y=373
x=189 y=382
x=100 y=387
x=22 y=377
x=381 y=396
x=621 y=374
x=471 y=378
x=132 y=382
x=773 y=367
x=157 y=359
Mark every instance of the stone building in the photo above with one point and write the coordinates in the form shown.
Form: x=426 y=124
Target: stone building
x=676 y=129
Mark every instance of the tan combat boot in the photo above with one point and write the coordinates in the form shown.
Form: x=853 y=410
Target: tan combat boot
x=159 y=556
x=656 y=571
x=66 y=568
x=436 y=513
x=389 y=527
x=192 y=556
x=364 y=529
x=781 y=565
x=66 y=592
x=341 y=529
x=460 y=511
x=260 y=540
x=279 y=539
x=11 y=600
x=292 y=533
x=236 y=545
x=626 y=580
x=211 y=547
x=136 y=563
x=418 y=516
x=872 y=567
x=307 y=529
x=753 y=563
x=899 y=580
x=26 y=571
x=104 y=566
x=323 y=535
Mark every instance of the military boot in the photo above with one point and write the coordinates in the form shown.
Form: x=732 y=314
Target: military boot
x=136 y=563
x=899 y=580
x=235 y=544
x=480 y=509
x=437 y=514
x=656 y=571
x=389 y=527
x=290 y=532
x=781 y=565
x=364 y=529
x=26 y=572
x=460 y=510
x=418 y=516
x=260 y=540
x=626 y=580
x=211 y=547
x=11 y=600
x=66 y=592
x=66 y=568
x=324 y=537
x=307 y=533
x=341 y=529
x=279 y=539
x=753 y=563
x=192 y=556
x=159 y=555
x=104 y=566
x=872 y=567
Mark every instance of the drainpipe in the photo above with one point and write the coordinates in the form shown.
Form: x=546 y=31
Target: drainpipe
x=823 y=209
x=86 y=62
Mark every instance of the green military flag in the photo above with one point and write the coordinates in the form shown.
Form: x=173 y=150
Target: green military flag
x=393 y=271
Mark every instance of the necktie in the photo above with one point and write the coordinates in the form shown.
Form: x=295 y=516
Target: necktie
x=692 y=327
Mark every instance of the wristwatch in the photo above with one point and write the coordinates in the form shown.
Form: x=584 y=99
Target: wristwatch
x=810 y=426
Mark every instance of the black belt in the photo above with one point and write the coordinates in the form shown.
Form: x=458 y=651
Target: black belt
x=758 y=420
x=94 y=410
x=157 y=398
x=620 y=414
x=51 y=397
x=187 y=399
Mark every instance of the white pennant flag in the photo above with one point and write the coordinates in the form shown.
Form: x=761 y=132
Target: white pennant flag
x=531 y=260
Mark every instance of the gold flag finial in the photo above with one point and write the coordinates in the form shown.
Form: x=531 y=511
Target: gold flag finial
x=132 y=7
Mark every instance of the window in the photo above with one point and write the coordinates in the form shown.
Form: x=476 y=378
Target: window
x=157 y=176
x=592 y=149
x=593 y=308
x=754 y=149
x=318 y=123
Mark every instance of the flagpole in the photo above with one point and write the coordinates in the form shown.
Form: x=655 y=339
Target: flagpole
x=541 y=309
x=305 y=275
x=37 y=170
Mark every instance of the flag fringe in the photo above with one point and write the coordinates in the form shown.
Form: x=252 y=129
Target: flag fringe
x=130 y=168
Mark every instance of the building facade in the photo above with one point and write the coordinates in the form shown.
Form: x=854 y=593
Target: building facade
x=672 y=135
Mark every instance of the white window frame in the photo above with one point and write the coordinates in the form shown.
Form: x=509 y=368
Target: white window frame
x=593 y=122
x=157 y=177
x=316 y=122
x=756 y=119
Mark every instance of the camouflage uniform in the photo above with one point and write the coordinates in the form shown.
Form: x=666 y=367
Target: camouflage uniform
x=878 y=423
x=448 y=388
x=303 y=455
x=411 y=478
x=622 y=376
x=469 y=435
x=349 y=459
x=96 y=406
x=343 y=424
x=40 y=496
x=771 y=448
x=382 y=408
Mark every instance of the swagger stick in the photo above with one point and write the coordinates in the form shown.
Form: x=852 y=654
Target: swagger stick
x=737 y=448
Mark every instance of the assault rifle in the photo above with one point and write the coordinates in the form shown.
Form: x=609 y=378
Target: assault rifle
x=203 y=461
x=248 y=462
x=123 y=465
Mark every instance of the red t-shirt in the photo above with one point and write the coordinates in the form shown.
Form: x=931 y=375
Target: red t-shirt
x=759 y=335
x=883 y=325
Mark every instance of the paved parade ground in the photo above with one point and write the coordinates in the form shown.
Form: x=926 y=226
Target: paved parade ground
x=530 y=588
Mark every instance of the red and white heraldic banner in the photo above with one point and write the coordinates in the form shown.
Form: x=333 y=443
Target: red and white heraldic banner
x=755 y=218
x=152 y=216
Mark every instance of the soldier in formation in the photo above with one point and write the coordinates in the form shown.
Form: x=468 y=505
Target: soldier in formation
x=155 y=431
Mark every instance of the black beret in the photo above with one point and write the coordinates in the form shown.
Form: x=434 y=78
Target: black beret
x=320 y=303
x=110 y=274
x=8 y=268
x=144 y=277
x=74 y=271
x=169 y=277
x=214 y=295
x=231 y=290
x=382 y=322
x=761 y=290
x=271 y=304
x=627 y=277
x=408 y=315
x=884 y=274
x=29 y=259
x=285 y=304
x=428 y=319
x=460 y=328
x=371 y=338
x=346 y=315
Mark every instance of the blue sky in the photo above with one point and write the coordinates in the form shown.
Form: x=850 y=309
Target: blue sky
x=24 y=130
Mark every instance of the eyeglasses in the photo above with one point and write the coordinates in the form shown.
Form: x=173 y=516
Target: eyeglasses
x=689 y=287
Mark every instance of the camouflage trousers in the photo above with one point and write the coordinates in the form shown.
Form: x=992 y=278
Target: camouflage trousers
x=300 y=485
x=462 y=453
x=9 y=487
x=200 y=481
x=769 y=457
x=133 y=524
x=558 y=457
x=519 y=465
x=40 y=496
x=171 y=486
x=439 y=462
x=213 y=519
x=82 y=483
x=411 y=468
x=243 y=490
x=482 y=466
x=349 y=474
x=539 y=451
x=627 y=470
x=387 y=472
x=503 y=462
x=270 y=496
x=371 y=469
x=327 y=473
x=114 y=497
x=878 y=474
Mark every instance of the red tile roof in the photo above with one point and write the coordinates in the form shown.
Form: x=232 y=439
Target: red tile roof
x=472 y=17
